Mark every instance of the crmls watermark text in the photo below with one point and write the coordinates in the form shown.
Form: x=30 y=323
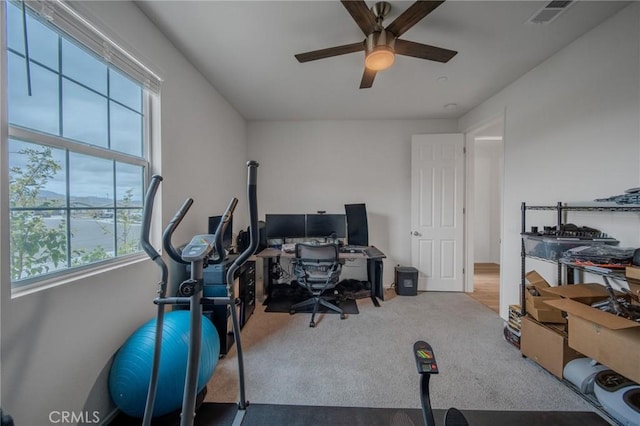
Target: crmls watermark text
x=74 y=417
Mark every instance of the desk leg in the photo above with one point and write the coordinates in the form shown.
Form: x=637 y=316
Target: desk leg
x=267 y=265
x=375 y=278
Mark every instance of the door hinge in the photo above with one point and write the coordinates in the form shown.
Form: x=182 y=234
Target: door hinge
x=464 y=149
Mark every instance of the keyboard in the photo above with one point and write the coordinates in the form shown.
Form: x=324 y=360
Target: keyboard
x=354 y=249
x=289 y=247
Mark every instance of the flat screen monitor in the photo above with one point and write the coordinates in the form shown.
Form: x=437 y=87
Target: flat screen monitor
x=285 y=226
x=357 y=224
x=326 y=225
x=227 y=237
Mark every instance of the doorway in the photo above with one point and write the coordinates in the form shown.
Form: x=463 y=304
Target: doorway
x=485 y=149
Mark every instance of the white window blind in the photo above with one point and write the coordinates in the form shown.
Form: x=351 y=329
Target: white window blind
x=68 y=20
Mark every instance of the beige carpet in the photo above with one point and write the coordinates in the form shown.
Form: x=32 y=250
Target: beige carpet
x=366 y=360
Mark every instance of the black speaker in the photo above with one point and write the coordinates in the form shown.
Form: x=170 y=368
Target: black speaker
x=406 y=281
x=244 y=238
x=357 y=227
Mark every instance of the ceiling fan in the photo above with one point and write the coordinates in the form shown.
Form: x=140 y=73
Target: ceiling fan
x=382 y=44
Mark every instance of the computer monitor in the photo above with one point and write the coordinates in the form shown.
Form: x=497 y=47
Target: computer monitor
x=326 y=225
x=280 y=226
x=357 y=224
x=227 y=237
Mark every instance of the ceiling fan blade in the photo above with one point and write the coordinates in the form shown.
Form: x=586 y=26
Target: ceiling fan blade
x=367 y=78
x=361 y=14
x=412 y=16
x=330 y=51
x=423 y=51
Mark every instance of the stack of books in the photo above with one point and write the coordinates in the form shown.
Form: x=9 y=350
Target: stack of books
x=512 y=327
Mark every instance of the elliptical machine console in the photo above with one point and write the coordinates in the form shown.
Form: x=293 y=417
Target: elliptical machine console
x=427 y=365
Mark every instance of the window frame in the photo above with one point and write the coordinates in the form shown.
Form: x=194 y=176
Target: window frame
x=150 y=96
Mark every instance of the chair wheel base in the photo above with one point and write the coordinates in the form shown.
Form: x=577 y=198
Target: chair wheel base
x=292 y=311
x=312 y=324
x=343 y=316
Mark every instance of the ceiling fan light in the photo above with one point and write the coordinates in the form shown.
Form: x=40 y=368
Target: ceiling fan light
x=380 y=58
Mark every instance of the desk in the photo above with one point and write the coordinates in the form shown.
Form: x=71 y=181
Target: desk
x=374 y=268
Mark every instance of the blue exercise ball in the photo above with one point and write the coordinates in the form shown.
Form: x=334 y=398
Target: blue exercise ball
x=131 y=369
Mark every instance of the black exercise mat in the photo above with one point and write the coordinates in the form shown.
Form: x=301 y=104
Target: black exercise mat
x=292 y=415
x=223 y=414
x=283 y=296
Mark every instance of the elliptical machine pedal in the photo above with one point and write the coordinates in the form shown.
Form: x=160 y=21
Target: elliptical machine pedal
x=453 y=417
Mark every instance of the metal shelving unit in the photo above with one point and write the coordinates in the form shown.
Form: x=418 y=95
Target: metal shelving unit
x=561 y=218
x=561 y=210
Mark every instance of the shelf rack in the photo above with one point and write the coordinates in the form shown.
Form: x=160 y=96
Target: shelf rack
x=560 y=209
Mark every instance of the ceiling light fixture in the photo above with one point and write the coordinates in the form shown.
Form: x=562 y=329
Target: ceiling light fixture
x=380 y=53
x=380 y=59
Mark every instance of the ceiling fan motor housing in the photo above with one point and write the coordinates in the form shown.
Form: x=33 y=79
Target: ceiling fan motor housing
x=380 y=38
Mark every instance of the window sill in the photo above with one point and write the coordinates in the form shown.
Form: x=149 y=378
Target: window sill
x=74 y=276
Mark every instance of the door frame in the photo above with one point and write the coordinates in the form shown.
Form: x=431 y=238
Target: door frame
x=470 y=135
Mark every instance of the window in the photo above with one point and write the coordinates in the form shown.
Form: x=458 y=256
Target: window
x=77 y=143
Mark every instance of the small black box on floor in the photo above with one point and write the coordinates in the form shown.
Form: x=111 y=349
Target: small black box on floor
x=406 y=281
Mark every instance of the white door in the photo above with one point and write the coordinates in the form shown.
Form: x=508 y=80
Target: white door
x=437 y=198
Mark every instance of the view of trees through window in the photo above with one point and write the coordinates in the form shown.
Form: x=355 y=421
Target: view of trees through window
x=76 y=152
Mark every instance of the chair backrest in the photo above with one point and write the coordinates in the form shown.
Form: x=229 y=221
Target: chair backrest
x=319 y=252
x=317 y=262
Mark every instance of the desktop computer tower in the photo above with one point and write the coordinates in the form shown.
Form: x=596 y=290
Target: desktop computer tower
x=406 y=279
x=357 y=227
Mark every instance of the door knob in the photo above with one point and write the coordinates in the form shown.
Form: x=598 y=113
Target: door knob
x=417 y=234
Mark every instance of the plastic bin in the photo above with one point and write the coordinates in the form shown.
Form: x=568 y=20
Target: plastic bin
x=552 y=247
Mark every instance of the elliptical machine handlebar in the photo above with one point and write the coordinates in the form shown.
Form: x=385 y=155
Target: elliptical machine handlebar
x=222 y=227
x=144 y=233
x=171 y=227
x=175 y=222
x=252 y=203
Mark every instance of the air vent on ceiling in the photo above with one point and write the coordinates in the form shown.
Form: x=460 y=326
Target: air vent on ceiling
x=550 y=12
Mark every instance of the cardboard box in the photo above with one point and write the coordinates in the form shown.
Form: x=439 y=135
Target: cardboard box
x=583 y=293
x=547 y=345
x=633 y=279
x=611 y=340
x=535 y=306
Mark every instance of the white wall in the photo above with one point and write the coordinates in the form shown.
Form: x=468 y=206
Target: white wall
x=487 y=191
x=323 y=165
x=571 y=134
x=57 y=344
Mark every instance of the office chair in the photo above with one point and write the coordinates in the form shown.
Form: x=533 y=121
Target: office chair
x=316 y=268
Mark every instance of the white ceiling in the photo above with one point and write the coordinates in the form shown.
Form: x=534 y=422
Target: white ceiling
x=245 y=49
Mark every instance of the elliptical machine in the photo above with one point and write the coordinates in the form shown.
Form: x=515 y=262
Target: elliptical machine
x=202 y=248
